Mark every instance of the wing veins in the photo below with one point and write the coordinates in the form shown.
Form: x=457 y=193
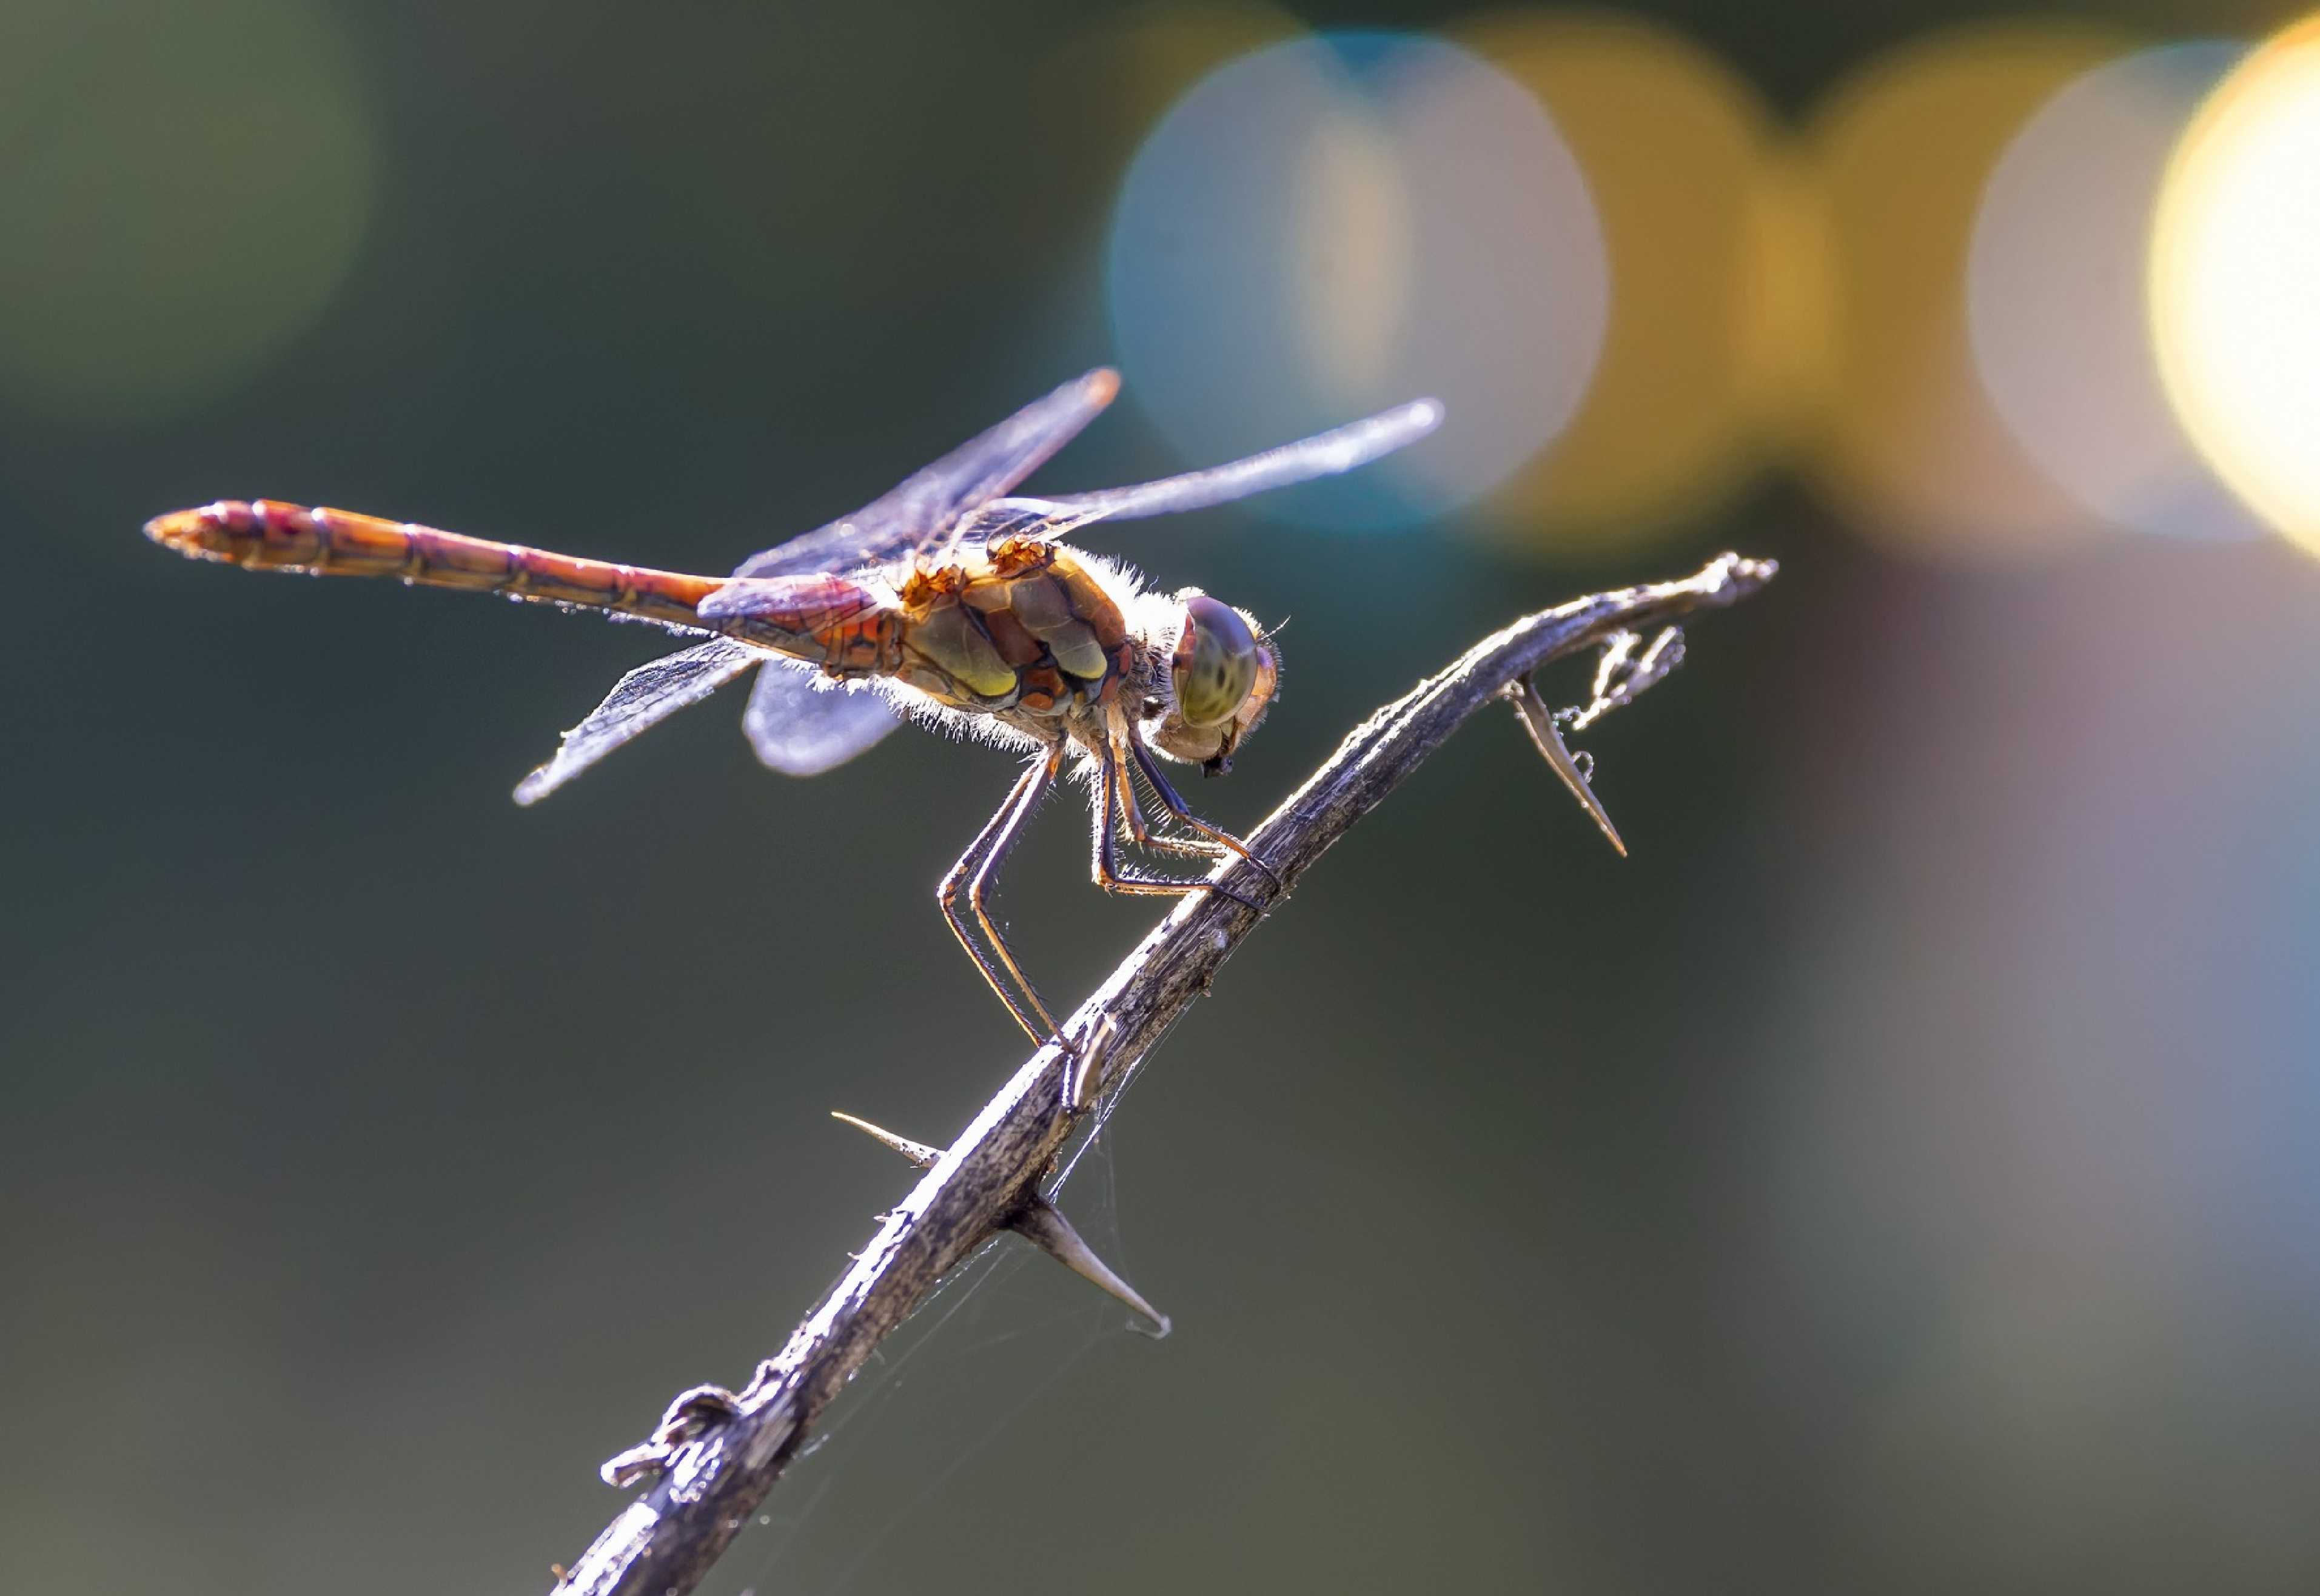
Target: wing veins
x=1325 y=454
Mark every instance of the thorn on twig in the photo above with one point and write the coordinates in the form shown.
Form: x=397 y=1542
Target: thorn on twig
x=917 y=1152
x=1039 y=1221
x=1042 y=1224
x=1539 y=720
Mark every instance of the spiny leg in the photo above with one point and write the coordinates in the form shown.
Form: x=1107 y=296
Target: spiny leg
x=974 y=871
x=1115 y=796
x=1132 y=811
x=1173 y=802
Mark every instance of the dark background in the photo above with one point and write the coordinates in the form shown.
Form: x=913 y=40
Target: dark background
x=1898 y=1175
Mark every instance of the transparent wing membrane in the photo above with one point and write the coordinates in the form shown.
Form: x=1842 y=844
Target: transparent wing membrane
x=959 y=497
x=800 y=730
x=1325 y=454
x=1022 y=518
x=919 y=513
x=640 y=701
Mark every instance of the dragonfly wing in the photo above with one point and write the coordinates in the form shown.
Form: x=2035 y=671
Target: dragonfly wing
x=1022 y=518
x=919 y=512
x=1325 y=454
x=800 y=729
x=641 y=700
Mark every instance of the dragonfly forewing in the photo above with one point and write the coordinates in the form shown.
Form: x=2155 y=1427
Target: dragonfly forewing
x=919 y=515
x=1325 y=454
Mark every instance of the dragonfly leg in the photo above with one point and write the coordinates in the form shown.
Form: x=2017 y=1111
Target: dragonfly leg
x=1174 y=803
x=1132 y=811
x=1116 y=797
x=972 y=876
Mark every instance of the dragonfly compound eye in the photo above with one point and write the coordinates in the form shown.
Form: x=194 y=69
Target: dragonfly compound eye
x=1216 y=662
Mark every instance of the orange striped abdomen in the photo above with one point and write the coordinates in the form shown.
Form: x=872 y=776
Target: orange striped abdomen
x=269 y=535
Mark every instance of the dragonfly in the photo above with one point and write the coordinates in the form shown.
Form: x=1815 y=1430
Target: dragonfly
x=948 y=601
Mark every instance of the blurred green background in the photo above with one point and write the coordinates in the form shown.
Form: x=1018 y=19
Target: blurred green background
x=1899 y=1175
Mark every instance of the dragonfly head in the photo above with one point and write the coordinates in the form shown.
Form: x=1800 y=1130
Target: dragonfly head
x=1222 y=672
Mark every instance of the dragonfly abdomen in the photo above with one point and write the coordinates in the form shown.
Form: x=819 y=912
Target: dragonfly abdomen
x=269 y=535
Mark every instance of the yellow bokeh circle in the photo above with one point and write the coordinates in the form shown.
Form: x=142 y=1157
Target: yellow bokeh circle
x=2235 y=282
x=1675 y=147
x=1906 y=441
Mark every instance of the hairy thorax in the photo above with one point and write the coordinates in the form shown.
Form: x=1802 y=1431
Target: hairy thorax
x=1024 y=632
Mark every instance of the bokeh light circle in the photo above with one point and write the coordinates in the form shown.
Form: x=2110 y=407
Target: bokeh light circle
x=2235 y=282
x=1333 y=225
x=1908 y=443
x=1675 y=146
x=2056 y=297
x=164 y=237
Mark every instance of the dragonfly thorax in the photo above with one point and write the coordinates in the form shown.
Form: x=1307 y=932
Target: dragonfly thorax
x=1029 y=634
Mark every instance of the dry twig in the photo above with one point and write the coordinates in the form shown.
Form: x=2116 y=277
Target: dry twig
x=716 y=1453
